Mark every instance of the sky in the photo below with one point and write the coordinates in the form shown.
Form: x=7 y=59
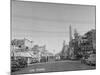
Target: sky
x=48 y=23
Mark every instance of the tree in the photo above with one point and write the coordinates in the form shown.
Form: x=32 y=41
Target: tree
x=17 y=42
x=91 y=37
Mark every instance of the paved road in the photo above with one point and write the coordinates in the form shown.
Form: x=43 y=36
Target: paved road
x=54 y=67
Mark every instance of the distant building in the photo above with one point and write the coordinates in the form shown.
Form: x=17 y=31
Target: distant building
x=26 y=54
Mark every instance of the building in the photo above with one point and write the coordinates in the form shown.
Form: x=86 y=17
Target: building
x=19 y=55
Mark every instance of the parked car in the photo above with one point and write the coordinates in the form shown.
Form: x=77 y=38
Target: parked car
x=35 y=60
x=57 y=58
x=22 y=62
x=14 y=66
x=91 y=60
x=83 y=59
x=18 y=64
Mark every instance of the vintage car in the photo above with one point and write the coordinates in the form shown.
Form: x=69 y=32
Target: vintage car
x=22 y=62
x=90 y=60
x=18 y=64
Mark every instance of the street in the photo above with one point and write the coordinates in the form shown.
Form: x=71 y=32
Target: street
x=54 y=67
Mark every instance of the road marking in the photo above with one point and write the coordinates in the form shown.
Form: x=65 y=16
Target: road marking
x=37 y=70
x=40 y=69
